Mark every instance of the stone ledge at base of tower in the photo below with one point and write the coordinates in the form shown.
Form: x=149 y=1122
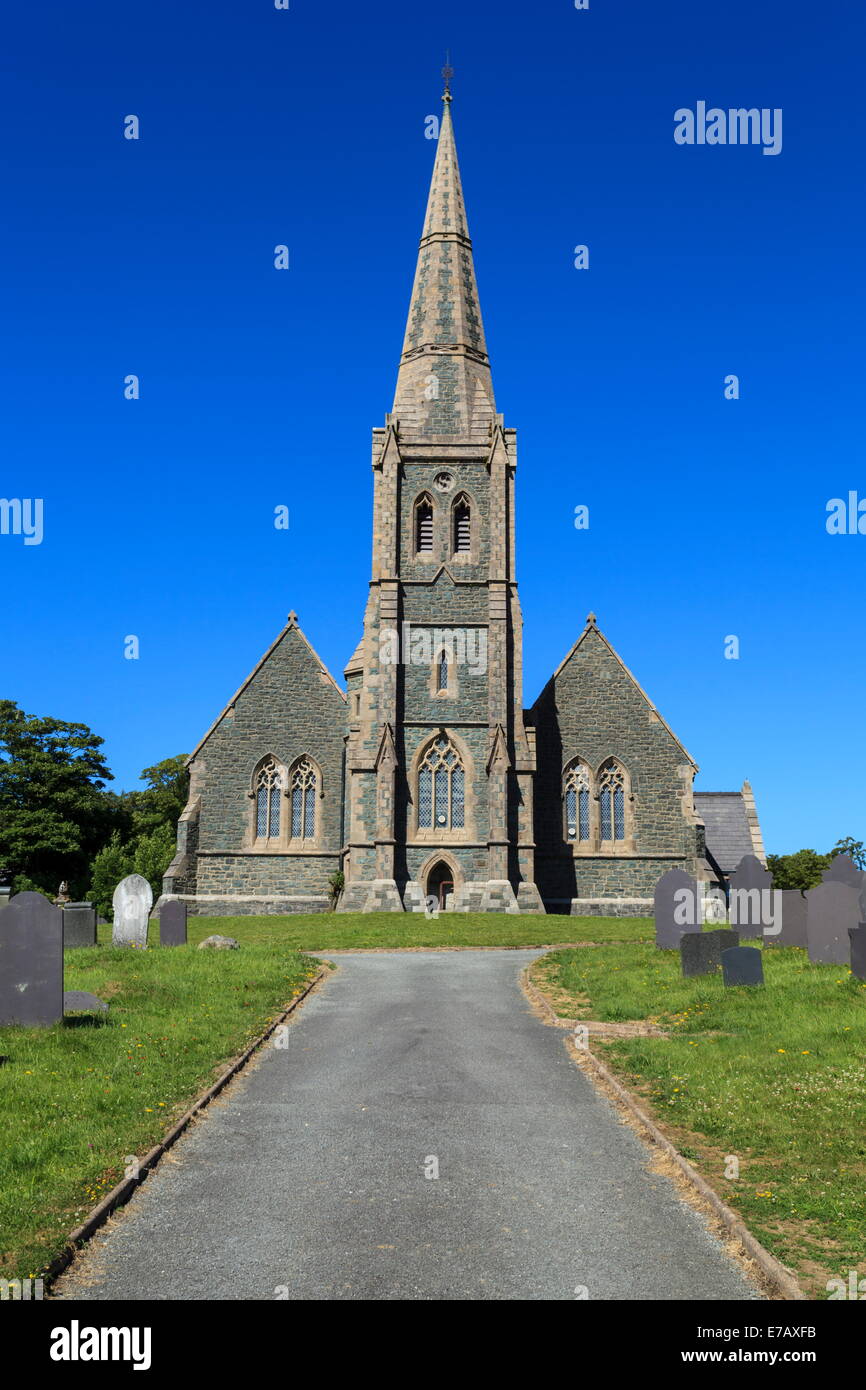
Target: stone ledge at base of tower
x=600 y=907
x=414 y=899
x=252 y=905
x=371 y=895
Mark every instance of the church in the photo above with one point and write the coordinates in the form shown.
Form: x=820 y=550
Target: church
x=425 y=777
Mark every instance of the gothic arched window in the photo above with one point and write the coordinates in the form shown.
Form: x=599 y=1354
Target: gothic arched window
x=611 y=799
x=423 y=525
x=462 y=526
x=576 y=785
x=303 y=783
x=268 y=785
x=442 y=671
x=441 y=787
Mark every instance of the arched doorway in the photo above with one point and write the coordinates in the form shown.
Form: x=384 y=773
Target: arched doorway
x=440 y=882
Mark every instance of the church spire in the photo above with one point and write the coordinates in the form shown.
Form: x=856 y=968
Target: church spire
x=444 y=386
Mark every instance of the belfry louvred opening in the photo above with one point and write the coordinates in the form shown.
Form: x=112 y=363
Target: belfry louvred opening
x=428 y=776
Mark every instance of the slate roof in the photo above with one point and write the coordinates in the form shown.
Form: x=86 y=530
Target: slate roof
x=728 y=834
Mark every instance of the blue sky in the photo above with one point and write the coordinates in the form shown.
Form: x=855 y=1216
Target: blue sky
x=259 y=387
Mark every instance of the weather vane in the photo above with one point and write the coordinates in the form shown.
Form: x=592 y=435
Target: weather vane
x=447 y=73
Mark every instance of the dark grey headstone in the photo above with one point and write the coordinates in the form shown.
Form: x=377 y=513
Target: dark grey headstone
x=172 y=924
x=5 y=895
x=676 y=908
x=743 y=965
x=832 y=907
x=31 y=962
x=701 y=952
x=750 y=901
x=79 y=925
x=792 y=905
x=844 y=870
x=857 y=936
x=77 y=1000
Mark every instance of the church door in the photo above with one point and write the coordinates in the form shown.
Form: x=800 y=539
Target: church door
x=440 y=882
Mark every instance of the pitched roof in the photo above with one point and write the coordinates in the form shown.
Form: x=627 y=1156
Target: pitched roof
x=324 y=673
x=592 y=628
x=728 y=833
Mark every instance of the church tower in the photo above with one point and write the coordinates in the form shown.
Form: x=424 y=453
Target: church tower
x=439 y=765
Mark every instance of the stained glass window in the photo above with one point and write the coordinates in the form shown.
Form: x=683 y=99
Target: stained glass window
x=441 y=783
x=611 y=784
x=577 y=802
x=303 y=783
x=442 y=672
x=268 y=787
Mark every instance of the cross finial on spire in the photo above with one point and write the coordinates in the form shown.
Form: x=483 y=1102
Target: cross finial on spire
x=447 y=74
x=591 y=620
x=293 y=619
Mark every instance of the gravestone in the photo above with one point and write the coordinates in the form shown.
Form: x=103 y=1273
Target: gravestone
x=132 y=902
x=793 y=908
x=675 y=914
x=844 y=870
x=77 y=1000
x=172 y=924
x=832 y=907
x=701 y=952
x=742 y=965
x=750 y=901
x=79 y=925
x=857 y=936
x=31 y=962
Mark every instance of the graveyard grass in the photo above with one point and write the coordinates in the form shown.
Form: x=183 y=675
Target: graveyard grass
x=775 y=1076
x=81 y=1096
x=335 y=931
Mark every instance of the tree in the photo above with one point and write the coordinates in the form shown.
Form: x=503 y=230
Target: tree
x=801 y=870
x=164 y=797
x=111 y=864
x=853 y=848
x=153 y=854
x=54 y=811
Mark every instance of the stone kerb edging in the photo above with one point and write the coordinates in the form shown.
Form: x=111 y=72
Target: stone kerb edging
x=781 y=1281
x=120 y=1195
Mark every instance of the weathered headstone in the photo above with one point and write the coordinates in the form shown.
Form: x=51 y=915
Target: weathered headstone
x=676 y=908
x=844 y=870
x=31 y=962
x=742 y=965
x=750 y=903
x=857 y=936
x=132 y=901
x=172 y=924
x=701 y=952
x=792 y=905
x=219 y=943
x=79 y=925
x=78 y=1000
x=832 y=907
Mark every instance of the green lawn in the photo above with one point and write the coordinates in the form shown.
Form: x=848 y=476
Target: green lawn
x=775 y=1076
x=332 y=931
x=81 y=1096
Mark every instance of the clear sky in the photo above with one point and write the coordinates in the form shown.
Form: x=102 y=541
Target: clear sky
x=259 y=387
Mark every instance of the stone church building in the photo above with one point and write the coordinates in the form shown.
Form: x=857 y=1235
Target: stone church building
x=425 y=776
